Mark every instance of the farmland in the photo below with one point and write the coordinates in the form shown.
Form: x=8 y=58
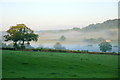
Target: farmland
x=30 y=64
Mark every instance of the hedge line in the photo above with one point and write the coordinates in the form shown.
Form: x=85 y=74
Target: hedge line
x=65 y=51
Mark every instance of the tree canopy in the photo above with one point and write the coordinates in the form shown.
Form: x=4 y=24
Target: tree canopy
x=105 y=46
x=59 y=46
x=20 y=33
x=62 y=38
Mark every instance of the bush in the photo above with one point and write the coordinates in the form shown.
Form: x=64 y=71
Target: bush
x=62 y=38
x=105 y=46
x=59 y=46
x=22 y=47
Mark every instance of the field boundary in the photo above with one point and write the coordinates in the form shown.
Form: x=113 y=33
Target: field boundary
x=63 y=51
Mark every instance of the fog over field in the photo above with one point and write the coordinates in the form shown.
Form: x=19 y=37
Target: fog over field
x=77 y=35
x=76 y=38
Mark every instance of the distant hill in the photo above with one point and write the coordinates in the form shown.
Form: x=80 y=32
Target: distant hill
x=108 y=30
x=109 y=24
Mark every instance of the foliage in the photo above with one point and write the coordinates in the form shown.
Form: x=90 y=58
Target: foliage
x=109 y=24
x=105 y=46
x=20 y=33
x=76 y=28
x=58 y=46
x=62 y=38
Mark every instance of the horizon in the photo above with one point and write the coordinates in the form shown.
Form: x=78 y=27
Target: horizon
x=66 y=28
x=55 y=15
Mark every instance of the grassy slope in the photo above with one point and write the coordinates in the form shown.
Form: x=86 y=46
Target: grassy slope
x=21 y=64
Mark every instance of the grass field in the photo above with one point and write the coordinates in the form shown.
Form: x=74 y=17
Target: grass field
x=25 y=64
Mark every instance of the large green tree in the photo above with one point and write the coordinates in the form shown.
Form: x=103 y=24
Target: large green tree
x=20 y=34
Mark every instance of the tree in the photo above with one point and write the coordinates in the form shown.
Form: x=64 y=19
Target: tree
x=58 y=46
x=105 y=46
x=20 y=33
x=62 y=38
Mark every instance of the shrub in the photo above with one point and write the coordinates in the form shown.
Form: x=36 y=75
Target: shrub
x=59 y=46
x=105 y=46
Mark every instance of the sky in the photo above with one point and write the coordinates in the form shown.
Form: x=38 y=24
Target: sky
x=56 y=14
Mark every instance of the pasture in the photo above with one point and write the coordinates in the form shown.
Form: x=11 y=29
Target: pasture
x=30 y=64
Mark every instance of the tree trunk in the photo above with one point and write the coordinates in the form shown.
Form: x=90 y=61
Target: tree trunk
x=23 y=42
x=15 y=45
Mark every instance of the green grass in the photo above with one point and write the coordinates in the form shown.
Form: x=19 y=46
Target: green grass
x=26 y=64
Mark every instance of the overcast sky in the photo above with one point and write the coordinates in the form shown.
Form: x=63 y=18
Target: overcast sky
x=56 y=14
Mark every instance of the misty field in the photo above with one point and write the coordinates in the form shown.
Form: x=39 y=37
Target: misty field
x=26 y=64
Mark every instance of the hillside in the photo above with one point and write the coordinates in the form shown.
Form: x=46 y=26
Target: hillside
x=106 y=25
x=79 y=36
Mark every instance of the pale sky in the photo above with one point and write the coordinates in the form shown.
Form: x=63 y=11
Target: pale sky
x=56 y=14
